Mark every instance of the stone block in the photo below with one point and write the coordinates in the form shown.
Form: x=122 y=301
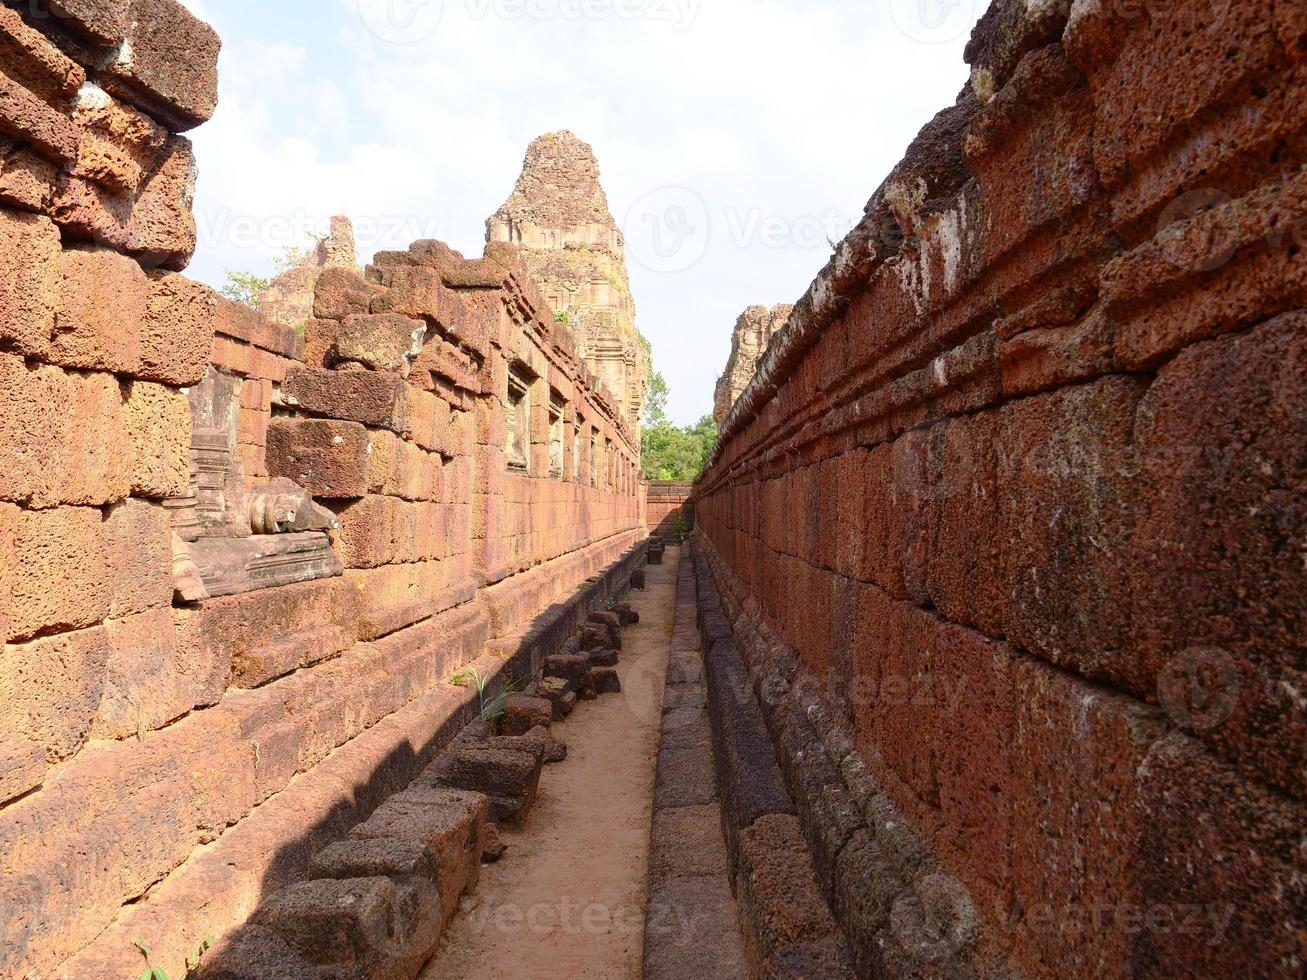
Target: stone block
x=177 y=332
x=22 y=767
x=147 y=685
x=780 y=904
x=29 y=282
x=1218 y=505
x=604 y=680
x=60 y=579
x=1067 y=475
x=50 y=689
x=183 y=92
x=27 y=181
x=261 y=635
x=63 y=437
x=522 y=714
x=329 y=922
x=28 y=118
x=330 y=459
x=32 y=60
x=341 y=293
x=379 y=342
x=570 y=668
x=508 y=778
x=138 y=544
x=449 y=822
x=102 y=304
x=157 y=422
x=353 y=396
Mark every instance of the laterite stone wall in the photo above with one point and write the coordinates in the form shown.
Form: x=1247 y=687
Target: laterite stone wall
x=1015 y=506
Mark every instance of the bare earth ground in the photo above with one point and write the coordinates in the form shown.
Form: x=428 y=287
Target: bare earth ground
x=568 y=898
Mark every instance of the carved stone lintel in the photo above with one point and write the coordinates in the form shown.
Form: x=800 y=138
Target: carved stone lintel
x=213 y=567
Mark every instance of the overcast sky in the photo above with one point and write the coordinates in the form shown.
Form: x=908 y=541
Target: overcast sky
x=736 y=138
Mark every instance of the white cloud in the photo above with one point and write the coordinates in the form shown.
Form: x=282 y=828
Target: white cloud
x=781 y=116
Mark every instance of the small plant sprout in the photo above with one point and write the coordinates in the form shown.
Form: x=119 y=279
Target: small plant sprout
x=495 y=707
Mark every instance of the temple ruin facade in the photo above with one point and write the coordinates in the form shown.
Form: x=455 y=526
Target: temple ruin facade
x=983 y=655
x=558 y=217
x=752 y=333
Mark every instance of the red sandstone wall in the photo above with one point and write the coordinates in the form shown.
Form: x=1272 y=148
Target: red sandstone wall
x=191 y=750
x=1022 y=489
x=670 y=506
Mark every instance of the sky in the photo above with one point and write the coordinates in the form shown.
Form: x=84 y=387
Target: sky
x=737 y=139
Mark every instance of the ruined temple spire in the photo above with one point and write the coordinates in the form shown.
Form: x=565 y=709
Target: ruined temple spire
x=558 y=215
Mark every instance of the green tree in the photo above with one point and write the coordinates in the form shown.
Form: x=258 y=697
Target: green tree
x=671 y=452
x=247 y=288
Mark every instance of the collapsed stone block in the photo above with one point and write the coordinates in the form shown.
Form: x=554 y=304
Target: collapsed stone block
x=570 y=669
x=626 y=614
x=522 y=714
x=509 y=778
x=561 y=698
x=602 y=658
x=450 y=824
x=358 y=922
x=604 y=680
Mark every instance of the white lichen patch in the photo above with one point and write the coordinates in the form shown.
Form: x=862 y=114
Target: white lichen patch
x=92 y=98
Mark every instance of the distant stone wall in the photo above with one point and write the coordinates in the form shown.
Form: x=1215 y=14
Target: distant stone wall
x=670 y=506
x=241 y=558
x=1011 y=522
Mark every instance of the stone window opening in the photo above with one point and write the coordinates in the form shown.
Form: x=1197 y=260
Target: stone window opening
x=517 y=441
x=557 y=411
x=578 y=440
x=594 y=460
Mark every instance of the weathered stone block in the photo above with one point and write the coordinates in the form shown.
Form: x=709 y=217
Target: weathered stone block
x=29 y=282
x=102 y=304
x=147 y=684
x=379 y=342
x=157 y=422
x=522 y=714
x=329 y=459
x=181 y=91
x=336 y=922
x=138 y=544
x=22 y=767
x=448 y=821
x=508 y=778
x=352 y=396
x=1219 y=502
x=61 y=575
x=1067 y=481
x=50 y=688
x=62 y=436
x=180 y=320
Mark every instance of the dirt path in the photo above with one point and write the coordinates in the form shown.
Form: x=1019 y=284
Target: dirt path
x=568 y=898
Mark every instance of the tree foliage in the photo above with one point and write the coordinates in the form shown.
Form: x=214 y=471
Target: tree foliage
x=671 y=452
x=247 y=288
